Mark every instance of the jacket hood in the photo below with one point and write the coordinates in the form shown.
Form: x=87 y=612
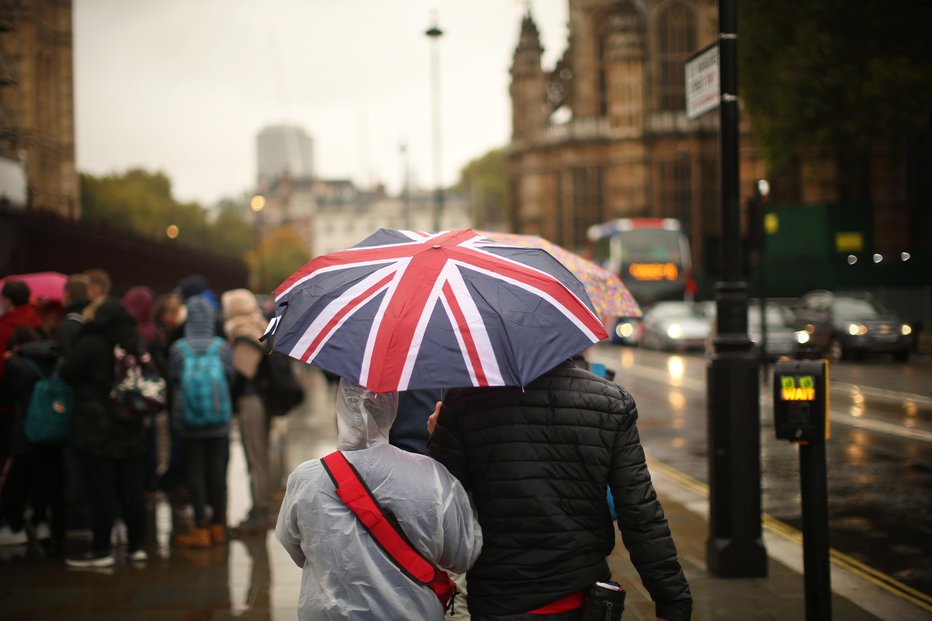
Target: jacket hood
x=242 y=314
x=191 y=285
x=116 y=324
x=201 y=317
x=364 y=417
x=138 y=301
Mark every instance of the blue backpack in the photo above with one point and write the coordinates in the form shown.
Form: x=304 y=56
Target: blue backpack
x=205 y=392
x=51 y=408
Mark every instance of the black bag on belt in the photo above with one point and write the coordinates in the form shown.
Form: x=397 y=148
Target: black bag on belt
x=605 y=601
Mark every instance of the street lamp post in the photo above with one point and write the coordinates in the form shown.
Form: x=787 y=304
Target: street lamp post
x=735 y=546
x=434 y=33
x=257 y=204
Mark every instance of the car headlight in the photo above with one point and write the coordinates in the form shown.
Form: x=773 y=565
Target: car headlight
x=856 y=329
x=675 y=331
x=802 y=337
x=624 y=330
x=906 y=329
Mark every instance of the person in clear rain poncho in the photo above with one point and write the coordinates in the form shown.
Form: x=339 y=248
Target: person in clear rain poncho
x=346 y=575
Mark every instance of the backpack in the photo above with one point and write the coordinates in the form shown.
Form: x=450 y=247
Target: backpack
x=279 y=386
x=138 y=389
x=205 y=392
x=50 y=413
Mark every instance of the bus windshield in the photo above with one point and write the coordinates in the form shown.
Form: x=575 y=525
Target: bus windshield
x=651 y=246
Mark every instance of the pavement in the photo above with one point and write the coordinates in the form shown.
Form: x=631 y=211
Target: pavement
x=253 y=577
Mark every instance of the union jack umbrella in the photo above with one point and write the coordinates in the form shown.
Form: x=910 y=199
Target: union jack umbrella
x=403 y=310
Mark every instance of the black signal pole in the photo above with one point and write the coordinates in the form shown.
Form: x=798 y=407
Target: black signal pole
x=735 y=547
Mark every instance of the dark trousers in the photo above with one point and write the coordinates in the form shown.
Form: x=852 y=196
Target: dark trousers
x=206 y=466
x=113 y=484
x=35 y=478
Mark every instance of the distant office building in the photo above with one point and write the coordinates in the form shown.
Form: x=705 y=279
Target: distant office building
x=284 y=150
x=37 y=106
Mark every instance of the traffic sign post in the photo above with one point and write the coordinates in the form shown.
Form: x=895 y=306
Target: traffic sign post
x=702 y=83
x=800 y=410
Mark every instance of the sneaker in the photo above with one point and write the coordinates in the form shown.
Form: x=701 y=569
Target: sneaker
x=91 y=560
x=10 y=537
x=218 y=534
x=138 y=556
x=197 y=538
x=119 y=536
x=41 y=532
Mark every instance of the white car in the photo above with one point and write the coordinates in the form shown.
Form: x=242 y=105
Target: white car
x=674 y=326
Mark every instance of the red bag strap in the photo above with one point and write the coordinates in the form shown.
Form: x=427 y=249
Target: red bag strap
x=353 y=491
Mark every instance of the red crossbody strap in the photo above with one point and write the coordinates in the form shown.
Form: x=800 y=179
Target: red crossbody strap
x=353 y=491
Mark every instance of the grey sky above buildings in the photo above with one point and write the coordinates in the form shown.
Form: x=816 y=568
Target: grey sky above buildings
x=185 y=86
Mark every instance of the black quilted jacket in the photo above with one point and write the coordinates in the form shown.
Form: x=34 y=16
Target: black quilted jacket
x=537 y=461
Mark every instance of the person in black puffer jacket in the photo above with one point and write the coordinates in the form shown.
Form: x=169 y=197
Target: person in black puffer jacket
x=537 y=461
x=109 y=449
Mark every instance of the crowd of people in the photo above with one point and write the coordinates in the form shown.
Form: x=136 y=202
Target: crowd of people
x=100 y=480
x=512 y=491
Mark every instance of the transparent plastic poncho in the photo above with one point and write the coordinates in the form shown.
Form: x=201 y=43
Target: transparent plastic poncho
x=345 y=574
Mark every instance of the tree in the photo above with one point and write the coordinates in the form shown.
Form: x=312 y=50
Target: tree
x=280 y=253
x=142 y=202
x=835 y=77
x=484 y=181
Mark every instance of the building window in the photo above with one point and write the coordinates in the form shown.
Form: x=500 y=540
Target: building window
x=586 y=207
x=676 y=40
x=676 y=195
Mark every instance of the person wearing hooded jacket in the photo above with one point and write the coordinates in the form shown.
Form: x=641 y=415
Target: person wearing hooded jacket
x=206 y=449
x=537 y=460
x=110 y=449
x=244 y=324
x=346 y=575
x=35 y=472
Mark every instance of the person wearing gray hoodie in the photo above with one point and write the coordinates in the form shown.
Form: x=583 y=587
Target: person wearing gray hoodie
x=206 y=447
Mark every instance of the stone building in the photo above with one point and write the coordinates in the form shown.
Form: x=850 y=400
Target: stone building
x=37 y=101
x=605 y=134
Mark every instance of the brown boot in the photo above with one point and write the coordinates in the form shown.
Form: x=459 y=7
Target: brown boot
x=197 y=538
x=218 y=534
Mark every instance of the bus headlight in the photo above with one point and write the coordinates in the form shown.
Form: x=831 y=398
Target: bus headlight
x=906 y=329
x=624 y=330
x=675 y=331
x=802 y=337
x=856 y=329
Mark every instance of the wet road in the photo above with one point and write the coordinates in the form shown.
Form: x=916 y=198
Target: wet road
x=879 y=454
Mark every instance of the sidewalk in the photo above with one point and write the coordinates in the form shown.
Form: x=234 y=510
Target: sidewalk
x=779 y=596
x=253 y=578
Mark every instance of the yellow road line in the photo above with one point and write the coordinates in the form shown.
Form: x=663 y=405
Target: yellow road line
x=782 y=529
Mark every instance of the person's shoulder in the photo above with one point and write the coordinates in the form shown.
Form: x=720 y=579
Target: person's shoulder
x=308 y=471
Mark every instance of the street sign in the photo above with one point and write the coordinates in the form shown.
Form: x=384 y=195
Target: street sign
x=702 y=90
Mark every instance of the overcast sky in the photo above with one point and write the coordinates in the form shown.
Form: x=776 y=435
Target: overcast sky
x=184 y=86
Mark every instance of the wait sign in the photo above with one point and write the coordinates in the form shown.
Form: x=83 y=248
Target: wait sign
x=702 y=91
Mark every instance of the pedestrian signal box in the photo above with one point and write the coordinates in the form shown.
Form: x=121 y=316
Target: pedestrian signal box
x=800 y=400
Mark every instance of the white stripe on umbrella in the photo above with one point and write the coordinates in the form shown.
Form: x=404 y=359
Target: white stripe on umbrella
x=343 y=306
x=400 y=268
x=331 y=268
x=476 y=329
x=542 y=294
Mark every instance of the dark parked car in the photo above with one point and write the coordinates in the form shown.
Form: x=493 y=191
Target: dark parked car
x=852 y=325
x=783 y=338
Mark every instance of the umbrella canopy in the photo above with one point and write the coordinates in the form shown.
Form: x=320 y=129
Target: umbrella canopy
x=610 y=297
x=42 y=285
x=403 y=310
